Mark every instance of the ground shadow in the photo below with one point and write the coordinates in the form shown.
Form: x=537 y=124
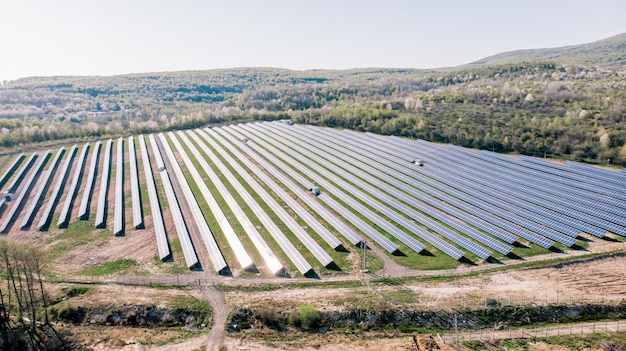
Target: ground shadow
x=555 y=249
x=225 y=272
x=333 y=267
x=493 y=260
x=608 y=238
x=341 y=248
x=252 y=269
x=520 y=245
x=311 y=274
x=513 y=256
x=467 y=261
x=197 y=267
x=425 y=253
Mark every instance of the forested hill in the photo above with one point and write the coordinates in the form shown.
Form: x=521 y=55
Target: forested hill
x=562 y=107
x=607 y=52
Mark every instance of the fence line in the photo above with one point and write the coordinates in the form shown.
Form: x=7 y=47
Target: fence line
x=457 y=338
x=465 y=303
x=170 y=280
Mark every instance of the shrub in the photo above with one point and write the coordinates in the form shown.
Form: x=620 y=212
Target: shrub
x=309 y=317
x=269 y=318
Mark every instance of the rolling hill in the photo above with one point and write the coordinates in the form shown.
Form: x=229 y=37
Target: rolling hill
x=606 y=52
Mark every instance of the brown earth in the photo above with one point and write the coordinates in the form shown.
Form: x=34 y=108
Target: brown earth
x=588 y=280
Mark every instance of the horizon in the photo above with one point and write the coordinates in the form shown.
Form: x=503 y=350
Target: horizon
x=70 y=38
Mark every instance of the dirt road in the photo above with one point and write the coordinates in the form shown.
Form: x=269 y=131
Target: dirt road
x=220 y=314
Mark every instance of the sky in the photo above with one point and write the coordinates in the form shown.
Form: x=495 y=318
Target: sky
x=109 y=37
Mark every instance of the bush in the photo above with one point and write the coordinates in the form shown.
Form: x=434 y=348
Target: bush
x=309 y=317
x=269 y=318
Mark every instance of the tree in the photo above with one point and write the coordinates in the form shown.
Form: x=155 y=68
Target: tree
x=22 y=298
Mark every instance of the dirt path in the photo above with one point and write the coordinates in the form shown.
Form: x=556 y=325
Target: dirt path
x=220 y=314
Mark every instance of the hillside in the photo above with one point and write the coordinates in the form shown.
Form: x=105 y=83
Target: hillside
x=542 y=106
x=610 y=52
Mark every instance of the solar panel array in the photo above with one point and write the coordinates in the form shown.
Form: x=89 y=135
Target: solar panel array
x=271 y=261
x=240 y=252
x=189 y=251
x=18 y=203
x=9 y=171
x=64 y=217
x=219 y=264
x=28 y=216
x=46 y=216
x=134 y=186
x=157 y=215
x=83 y=211
x=316 y=190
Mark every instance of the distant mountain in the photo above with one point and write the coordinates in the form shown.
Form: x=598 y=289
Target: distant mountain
x=608 y=52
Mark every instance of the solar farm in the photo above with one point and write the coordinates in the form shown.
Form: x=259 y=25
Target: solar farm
x=281 y=199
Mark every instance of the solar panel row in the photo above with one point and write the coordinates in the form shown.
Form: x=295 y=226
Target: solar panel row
x=395 y=187
x=351 y=177
x=219 y=264
x=64 y=216
x=17 y=204
x=508 y=192
x=372 y=233
x=9 y=172
x=304 y=196
x=290 y=250
x=134 y=186
x=83 y=210
x=46 y=217
x=12 y=187
x=157 y=215
x=245 y=261
x=104 y=186
x=295 y=228
x=31 y=211
x=118 y=218
x=181 y=228
x=271 y=261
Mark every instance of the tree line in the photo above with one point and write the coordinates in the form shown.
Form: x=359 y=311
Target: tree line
x=536 y=108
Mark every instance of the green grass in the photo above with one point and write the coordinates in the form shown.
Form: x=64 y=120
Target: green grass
x=114 y=267
x=356 y=282
x=78 y=233
x=189 y=304
x=178 y=266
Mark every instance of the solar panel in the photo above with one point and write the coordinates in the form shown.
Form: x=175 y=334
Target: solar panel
x=30 y=213
x=83 y=210
x=191 y=259
x=46 y=216
x=245 y=261
x=28 y=185
x=64 y=216
x=219 y=264
x=157 y=215
x=271 y=261
x=104 y=186
x=322 y=256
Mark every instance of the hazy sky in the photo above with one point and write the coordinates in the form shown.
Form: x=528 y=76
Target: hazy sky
x=85 y=37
